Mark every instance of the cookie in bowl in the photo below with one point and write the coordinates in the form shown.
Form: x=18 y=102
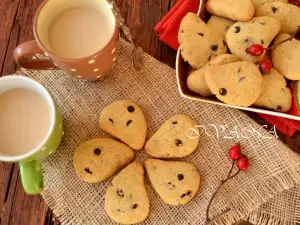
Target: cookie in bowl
x=196 y=80
x=286 y=57
x=237 y=10
x=286 y=14
x=198 y=42
x=238 y=83
x=275 y=95
x=259 y=30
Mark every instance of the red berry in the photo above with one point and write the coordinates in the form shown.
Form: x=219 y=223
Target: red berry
x=255 y=50
x=235 y=152
x=265 y=66
x=295 y=2
x=243 y=163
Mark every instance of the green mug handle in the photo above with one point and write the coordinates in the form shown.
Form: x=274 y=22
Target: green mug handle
x=32 y=176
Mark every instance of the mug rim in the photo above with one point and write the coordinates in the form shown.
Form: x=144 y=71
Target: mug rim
x=43 y=47
x=53 y=114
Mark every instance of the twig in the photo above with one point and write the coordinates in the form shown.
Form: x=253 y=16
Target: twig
x=208 y=221
x=285 y=40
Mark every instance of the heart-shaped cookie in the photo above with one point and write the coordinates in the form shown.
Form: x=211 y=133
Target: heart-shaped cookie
x=238 y=83
x=125 y=120
x=259 y=30
x=275 y=95
x=173 y=140
x=175 y=182
x=198 y=42
x=98 y=159
x=126 y=200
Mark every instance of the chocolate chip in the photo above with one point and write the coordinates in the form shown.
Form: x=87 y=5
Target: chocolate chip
x=224 y=43
x=214 y=47
x=118 y=210
x=182 y=196
x=175 y=122
x=279 y=107
x=120 y=193
x=274 y=10
x=262 y=41
x=188 y=193
x=130 y=109
x=246 y=40
x=134 y=206
x=237 y=29
x=242 y=78
x=171 y=186
x=97 y=151
x=210 y=57
x=262 y=23
x=223 y=91
x=181 y=31
x=180 y=176
x=200 y=34
x=128 y=122
x=178 y=143
x=88 y=170
x=111 y=120
x=239 y=70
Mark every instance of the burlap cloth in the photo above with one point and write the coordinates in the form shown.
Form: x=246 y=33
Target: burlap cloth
x=268 y=193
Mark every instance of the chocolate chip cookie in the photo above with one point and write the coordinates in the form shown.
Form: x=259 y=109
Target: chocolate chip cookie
x=175 y=182
x=237 y=10
x=126 y=200
x=125 y=120
x=198 y=42
x=259 y=30
x=238 y=83
x=172 y=139
x=275 y=95
x=286 y=14
x=259 y=3
x=220 y=25
x=196 y=80
x=98 y=159
x=286 y=57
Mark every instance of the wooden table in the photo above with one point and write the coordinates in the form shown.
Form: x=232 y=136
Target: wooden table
x=16 y=17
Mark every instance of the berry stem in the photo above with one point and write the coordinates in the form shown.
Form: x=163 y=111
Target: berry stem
x=285 y=40
x=229 y=176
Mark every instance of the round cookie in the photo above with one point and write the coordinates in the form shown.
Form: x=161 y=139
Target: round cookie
x=126 y=200
x=275 y=95
x=238 y=83
x=220 y=25
x=237 y=10
x=259 y=30
x=259 y=3
x=171 y=140
x=98 y=159
x=198 y=42
x=175 y=182
x=125 y=120
x=196 y=80
x=285 y=57
x=286 y=14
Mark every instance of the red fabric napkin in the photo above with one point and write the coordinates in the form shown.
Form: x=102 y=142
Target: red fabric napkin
x=167 y=30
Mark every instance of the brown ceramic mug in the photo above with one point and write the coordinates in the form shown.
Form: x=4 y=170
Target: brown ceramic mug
x=39 y=54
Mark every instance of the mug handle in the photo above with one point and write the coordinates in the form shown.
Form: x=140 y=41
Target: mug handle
x=32 y=176
x=26 y=56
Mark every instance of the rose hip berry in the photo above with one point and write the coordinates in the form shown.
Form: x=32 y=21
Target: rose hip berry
x=256 y=50
x=265 y=66
x=235 y=152
x=242 y=163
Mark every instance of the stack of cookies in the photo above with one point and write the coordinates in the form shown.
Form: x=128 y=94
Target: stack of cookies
x=126 y=199
x=218 y=52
